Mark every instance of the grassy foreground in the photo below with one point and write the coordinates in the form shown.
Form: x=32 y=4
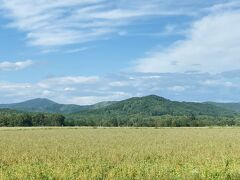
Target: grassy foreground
x=120 y=153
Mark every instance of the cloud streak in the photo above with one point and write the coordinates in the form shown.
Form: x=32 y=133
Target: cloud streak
x=55 y=23
x=68 y=80
x=14 y=66
x=189 y=69
x=89 y=89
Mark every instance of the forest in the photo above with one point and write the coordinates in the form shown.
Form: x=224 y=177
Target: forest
x=148 y=111
x=11 y=118
x=151 y=121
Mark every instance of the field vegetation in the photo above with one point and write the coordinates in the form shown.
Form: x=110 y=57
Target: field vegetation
x=119 y=153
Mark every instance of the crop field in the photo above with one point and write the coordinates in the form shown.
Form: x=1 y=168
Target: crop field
x=119 y=153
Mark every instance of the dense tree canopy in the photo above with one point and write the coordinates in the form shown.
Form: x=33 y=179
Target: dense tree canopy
x=149 y=111
x=14 y=118
x=151 y=121
x=155 y=111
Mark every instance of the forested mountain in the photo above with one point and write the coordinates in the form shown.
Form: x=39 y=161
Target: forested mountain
x=44 y=105
x=148 y=105
x=138 y=111
x=156 y=106
x=101 y=104
x=48 y=106
x=230 y=106
x=154 y=111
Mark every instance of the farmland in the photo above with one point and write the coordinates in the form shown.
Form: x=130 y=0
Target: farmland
x=119 y=153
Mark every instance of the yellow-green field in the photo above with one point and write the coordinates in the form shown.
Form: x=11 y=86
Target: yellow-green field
x=120 y=153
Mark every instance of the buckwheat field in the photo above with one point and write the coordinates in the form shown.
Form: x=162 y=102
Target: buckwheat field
x=119 y=153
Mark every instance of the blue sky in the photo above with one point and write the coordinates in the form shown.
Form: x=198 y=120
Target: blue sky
x=86 y=51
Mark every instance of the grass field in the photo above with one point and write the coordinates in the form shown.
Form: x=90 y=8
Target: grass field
x=120 y=153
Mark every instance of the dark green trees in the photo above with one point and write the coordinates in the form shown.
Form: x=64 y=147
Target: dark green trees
x=12 y=118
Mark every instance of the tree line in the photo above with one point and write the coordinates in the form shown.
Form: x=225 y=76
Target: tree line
x=151 y=121
x=10 y=118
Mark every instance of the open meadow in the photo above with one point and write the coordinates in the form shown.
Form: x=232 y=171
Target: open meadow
x=119 y=153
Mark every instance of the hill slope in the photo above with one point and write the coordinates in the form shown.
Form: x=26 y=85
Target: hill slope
x=43 y=105
x=155 y=111
x=230 y=106
x=147 y=106
x=48 y=106
x=156 y=106
x=138 y=111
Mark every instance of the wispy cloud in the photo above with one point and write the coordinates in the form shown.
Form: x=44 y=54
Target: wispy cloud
x=13 y=66
x=54 y=23
x=177 y=88
x=76 y=50
x=212 y=45
x=90 y=90
x=13 y=86
x=226 y=6
x=68 y=80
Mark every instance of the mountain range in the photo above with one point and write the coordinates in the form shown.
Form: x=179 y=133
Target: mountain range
x=148 y=105
x=48 y=106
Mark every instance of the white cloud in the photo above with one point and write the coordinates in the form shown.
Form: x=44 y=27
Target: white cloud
x=118 y=84
x=177 y=88
x=54 y=22
x=219 y=83
x=76 y=50
x=68 y=80
x=212 y=46
x=13 y=66
x=89 y=90
x=47 y=93
x=88 y=100
x=227 y=6
x=6 y=86
x=69 y=89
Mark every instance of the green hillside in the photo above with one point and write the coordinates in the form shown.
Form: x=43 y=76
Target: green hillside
x=149 y=105
x=102 y=104
x=48 y=106
x=138 y=111
x=230 y=106
x=151 y=111
x=156 y=106
x=44 y=105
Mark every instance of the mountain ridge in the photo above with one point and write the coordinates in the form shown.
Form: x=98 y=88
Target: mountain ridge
x=151 y=104
x=154 y=110
x=43 y=105
x=154 y=105
x=48 y=106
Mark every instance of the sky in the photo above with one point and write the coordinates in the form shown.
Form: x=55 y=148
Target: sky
x=87 y=51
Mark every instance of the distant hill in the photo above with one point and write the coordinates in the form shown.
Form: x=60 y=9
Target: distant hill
x=230 y=106
x=137 y=111
x=148 y=106
x=44 y=105
x=156 y=106
x=102 y=104
x=155 y=111
x=48 y=106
